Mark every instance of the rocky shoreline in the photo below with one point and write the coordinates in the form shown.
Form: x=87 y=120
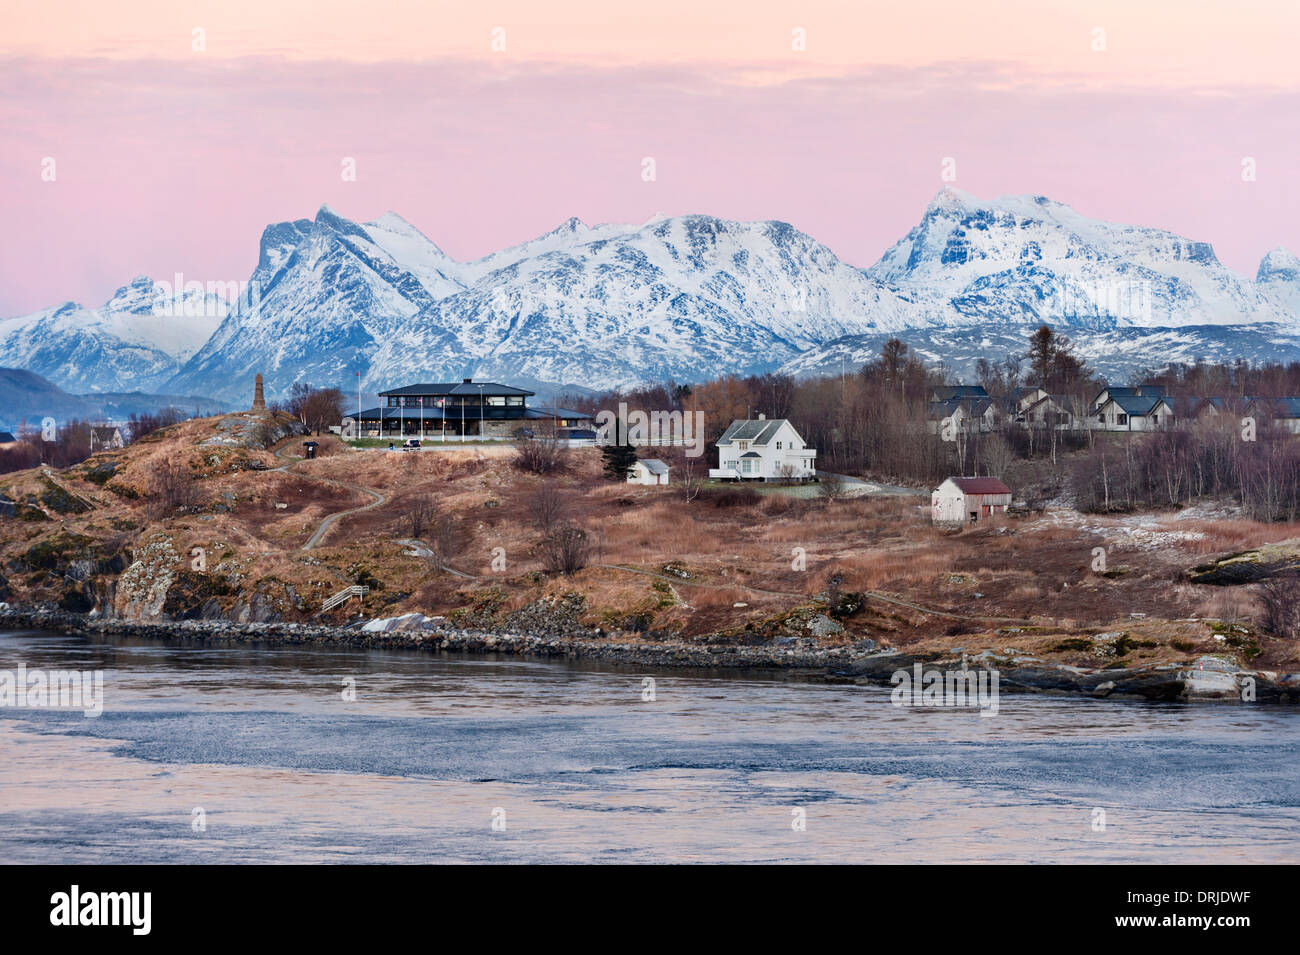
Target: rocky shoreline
x=1207 y=679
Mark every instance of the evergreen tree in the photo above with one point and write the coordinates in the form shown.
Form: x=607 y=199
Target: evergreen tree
x=619 y=456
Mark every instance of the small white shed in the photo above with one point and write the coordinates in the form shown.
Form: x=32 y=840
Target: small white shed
x=648 y=471
x=968 y=499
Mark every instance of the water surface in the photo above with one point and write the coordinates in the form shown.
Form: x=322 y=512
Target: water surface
x=578 y=767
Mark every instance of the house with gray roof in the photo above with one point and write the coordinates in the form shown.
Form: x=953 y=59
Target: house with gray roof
x=648 y=471
x=1132 y=413
x=760 y=449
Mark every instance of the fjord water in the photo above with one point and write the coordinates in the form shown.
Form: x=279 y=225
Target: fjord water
x=260 y=746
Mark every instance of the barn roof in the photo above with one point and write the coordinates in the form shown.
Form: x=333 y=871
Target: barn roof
x=980 y=485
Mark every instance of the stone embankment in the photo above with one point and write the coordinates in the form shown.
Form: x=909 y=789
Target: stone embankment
x=1206 y=679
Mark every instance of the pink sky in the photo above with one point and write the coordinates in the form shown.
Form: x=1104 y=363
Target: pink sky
x=173 y=160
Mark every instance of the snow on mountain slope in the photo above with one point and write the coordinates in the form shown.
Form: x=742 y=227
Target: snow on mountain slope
x=684 y=297
x=316 y=316
x=136 y=340
x=1027 y=258
x=1121 y=354
x=1279 y=278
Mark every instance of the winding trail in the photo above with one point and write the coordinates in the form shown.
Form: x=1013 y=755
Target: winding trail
x=378 y=498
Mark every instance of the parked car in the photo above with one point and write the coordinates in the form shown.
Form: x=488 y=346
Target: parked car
x=411 y=444
x=523 y=433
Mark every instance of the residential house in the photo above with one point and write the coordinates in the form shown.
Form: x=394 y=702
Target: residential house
x=1134 y=391
x=648 y=471
x=1021 y=399
x=968 y=499
x=105 y=438
x=1062 y=412
x=1283 y=412
x=1132 y=413
x=763 y=450
x=963 y=414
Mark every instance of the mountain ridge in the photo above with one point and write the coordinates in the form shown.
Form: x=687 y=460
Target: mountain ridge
x=686 y=297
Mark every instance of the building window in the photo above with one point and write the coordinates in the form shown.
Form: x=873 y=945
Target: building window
x=778 y=445
x=1121 y=419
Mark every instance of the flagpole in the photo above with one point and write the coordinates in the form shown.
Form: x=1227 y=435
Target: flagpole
x=420 y=401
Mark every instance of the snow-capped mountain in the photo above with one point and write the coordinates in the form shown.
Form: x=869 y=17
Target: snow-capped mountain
x=579 y=306
x=689 y=297
x=1027 y=258
x=1279 y=278
x=135 y=341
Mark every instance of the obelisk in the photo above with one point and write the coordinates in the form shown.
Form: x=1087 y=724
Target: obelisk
x=259 y=400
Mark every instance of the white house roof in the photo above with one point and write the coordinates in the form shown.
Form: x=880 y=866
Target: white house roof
x=654 y=465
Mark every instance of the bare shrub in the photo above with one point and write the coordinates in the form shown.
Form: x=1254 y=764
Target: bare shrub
x=547 y=506
x=1279 y=598
x=566 y=550
x=830 y=486
x=539 y=455
x=173 y=489
x=740 y=496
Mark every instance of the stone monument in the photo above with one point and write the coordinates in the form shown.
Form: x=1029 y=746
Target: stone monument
x=259 y=401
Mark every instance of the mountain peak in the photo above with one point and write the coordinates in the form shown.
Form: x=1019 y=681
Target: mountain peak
x=951 y=199
x=1279 y=265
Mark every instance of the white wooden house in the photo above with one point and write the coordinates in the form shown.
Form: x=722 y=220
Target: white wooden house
x=759 y=449
x=648 y=471
x=968 y=499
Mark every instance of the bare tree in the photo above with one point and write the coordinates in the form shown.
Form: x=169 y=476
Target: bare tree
x=317 y=408
x=1279 y=597
x=419 y=513
x=446 y=536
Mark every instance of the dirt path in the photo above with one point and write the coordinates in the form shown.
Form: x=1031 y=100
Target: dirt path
x=377 y=498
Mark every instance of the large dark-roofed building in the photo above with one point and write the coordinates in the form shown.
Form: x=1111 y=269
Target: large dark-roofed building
x=465 y=408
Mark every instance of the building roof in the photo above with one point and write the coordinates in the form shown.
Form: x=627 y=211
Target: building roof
x=467 y=387
x=1135 y=391
x=7 y=438
x=939 y=410
x=980 y=485
x=1137 y=404
x=946 y=392
x=654 y=465
x=757 y=431
x=1287 y=407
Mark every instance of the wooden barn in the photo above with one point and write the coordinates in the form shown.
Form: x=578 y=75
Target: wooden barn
x=963 y=499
